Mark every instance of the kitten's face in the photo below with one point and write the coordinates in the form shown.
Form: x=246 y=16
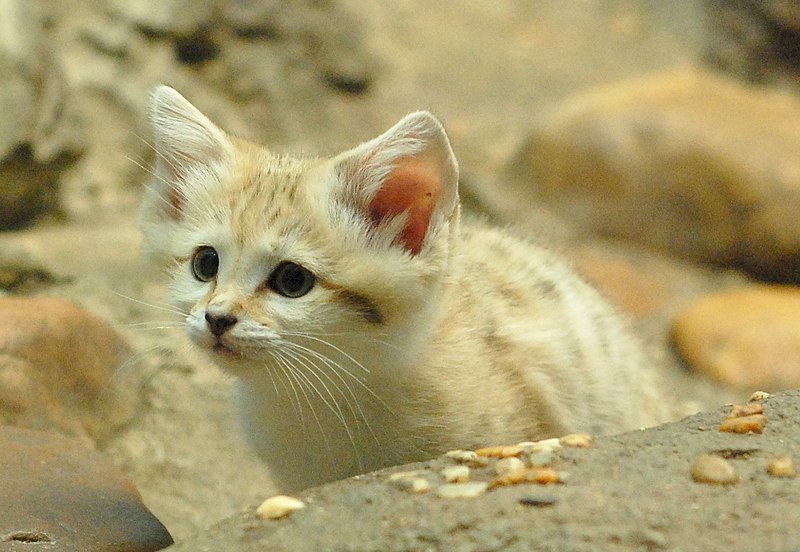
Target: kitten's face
x=279 y=260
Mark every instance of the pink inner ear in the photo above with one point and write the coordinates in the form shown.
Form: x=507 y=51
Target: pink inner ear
x=413 y=186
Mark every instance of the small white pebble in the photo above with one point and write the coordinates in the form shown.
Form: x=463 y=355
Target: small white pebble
x=414 y=484
x=553 y=444
x=506 y=466
x=462 y=490
x=403 y=475
x=469 y=457
x=278 y=506
x=759 y=396
x=456 y=474
x=578 y=440
x=410 y=481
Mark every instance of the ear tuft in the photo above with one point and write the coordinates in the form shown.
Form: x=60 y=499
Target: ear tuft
x=185 y=142
x=409 y=171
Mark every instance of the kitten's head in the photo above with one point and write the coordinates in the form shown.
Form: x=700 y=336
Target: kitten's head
x=266 y=249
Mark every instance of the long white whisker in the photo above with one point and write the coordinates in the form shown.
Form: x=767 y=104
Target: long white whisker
x=303 y=362
x=286 y=369
x=166 y=308
x=335 y=408
x=290 y=369
x=341 y=368
x=332 y=346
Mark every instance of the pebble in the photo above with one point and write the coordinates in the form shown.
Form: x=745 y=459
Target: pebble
x=759 y=396
x=278 y=506
x=781 y=466
x=500 y=451
x=713 y=469
x=542 y=476
x=403 y=475
x=462 y=490
x=739 y=410
x=456 y=474
x=754 y=423
x=553 y=444
x=579 y=440
x=468 y=457
x=410 y=481
x=506 y=466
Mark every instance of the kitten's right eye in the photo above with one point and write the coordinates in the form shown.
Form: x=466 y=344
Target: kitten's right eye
x=205 y=263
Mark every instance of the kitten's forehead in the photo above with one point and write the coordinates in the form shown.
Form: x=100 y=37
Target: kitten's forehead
x=266 y=192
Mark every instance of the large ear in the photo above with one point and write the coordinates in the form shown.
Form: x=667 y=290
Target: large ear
x=186 y=143
x=409 y=171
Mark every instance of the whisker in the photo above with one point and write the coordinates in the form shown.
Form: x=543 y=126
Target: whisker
x=331 y=345
x=341 y=368
x=164 y=307
x=294 y=373
x=335 y=408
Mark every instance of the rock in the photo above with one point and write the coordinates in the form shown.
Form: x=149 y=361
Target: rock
x=62 y=368
x=278 y=506
x=20 y=273
x=748 y=337
x=39 y=136
x=328 y=33
x=179 y=17
x=756 y=40
x=686 y=162
x=56 y=494
x=605 y=503
x=713 y=469
x=781 y=466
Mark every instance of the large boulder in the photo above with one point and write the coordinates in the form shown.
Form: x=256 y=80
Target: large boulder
x=686 y=162
x=63 y=368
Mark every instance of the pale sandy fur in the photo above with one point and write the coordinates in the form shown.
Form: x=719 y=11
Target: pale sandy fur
x=397 y=354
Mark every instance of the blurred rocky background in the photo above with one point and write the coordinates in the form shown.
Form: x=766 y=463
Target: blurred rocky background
x=655 y=143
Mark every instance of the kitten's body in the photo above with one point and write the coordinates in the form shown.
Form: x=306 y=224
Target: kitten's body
x=416 y=335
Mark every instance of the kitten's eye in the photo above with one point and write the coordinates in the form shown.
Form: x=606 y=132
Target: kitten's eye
x=205 y=263
x=291 y=280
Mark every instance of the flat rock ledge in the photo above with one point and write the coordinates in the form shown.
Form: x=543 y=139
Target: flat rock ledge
x=633 y=491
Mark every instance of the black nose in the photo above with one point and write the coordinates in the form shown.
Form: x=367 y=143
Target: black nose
x=219 y=324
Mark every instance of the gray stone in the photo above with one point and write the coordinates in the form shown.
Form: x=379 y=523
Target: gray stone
x=628 y=492
x=55 y=494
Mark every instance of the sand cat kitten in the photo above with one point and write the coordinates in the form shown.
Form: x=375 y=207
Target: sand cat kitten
x=366 y=326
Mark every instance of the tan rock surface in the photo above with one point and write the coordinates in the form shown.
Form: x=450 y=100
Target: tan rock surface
x=63 y=368
x=683 y=161
x=748 y=337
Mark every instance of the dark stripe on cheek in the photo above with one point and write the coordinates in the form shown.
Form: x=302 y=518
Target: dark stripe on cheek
x=365 y=307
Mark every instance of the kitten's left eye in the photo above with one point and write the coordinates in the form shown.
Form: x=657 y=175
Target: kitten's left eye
x=291 y=280
x=205 y=263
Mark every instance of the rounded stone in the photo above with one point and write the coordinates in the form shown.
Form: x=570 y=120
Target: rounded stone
x=56 y=492
x=713 y=469
x=747 y=337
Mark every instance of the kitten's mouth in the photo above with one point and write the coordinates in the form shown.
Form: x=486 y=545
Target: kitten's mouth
x=223 y=350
